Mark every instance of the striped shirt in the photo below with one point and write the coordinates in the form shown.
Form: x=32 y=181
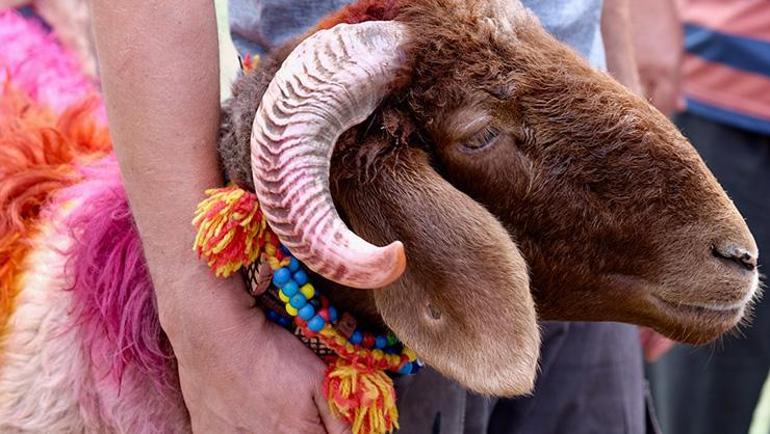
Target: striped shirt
x=726 y=71
x=257 y=26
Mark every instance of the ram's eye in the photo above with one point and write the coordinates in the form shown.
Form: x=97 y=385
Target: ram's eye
x=481 y=140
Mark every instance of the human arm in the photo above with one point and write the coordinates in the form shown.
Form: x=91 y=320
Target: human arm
x=658 y=42
x=618 y=43
x=160 y=77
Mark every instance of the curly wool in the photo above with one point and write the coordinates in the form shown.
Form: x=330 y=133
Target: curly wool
x=35 y=62
x=37 y=153
x=114 y=305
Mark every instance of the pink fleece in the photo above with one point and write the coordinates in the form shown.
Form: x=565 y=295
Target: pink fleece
x=34 y=61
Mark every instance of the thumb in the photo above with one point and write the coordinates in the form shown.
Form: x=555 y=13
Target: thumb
x=330 y=422
x=665 y=95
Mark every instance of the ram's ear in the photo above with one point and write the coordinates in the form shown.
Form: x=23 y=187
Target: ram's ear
x=464 y=303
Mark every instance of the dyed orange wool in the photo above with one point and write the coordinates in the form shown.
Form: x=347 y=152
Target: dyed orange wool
x=38 y=151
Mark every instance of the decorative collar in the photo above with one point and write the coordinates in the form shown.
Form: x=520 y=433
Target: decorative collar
x=233 y=235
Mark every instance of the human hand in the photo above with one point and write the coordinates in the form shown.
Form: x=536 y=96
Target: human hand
x=654 y=344
x=251 y=376
x=658 y=45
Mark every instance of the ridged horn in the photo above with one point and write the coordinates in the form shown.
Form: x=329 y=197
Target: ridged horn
x=331 y=82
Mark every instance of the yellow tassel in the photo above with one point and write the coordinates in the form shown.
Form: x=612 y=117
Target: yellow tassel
x=361 y=396
x=230 y=228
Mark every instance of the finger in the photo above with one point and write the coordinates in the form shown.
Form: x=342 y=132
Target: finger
x=331 y=423
x=657 y=347
x=664 y=96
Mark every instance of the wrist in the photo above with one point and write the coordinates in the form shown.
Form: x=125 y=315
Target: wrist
x=192 y=311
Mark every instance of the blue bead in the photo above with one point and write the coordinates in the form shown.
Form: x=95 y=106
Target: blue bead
x=356 y=338
x=290 y=288
x=272 y=316
x=381 y=342
x=415 y=368
x=316 y=324
x=281 y=277
x=298 y=301
x=406 y=369
x=284 y=250
x=284 y=322
x=306 y=312
x=332 y=314
x=300 y=277
x=293 y=264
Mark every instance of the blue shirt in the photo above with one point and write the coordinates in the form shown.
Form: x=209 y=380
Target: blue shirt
x=258 y=26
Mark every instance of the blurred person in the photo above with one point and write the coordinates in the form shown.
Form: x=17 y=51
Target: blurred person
x=725 y=82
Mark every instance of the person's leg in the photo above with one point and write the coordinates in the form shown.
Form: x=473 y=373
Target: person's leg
x=591 y=382
x=714 y=389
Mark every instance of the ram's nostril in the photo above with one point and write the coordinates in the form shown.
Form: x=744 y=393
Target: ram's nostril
x=738 y=255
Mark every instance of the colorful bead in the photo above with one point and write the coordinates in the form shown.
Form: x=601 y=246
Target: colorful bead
x=297 y=301
x=301 y=278
x=378 y=354
x=291 y=310
x=406 y=369
x=281 y=277
x=356 y=338
x=316 y=324
x=293 y=264
x=368 y=341
x=308 y=291
x=284 y=322
x=380 y=342
x=272 y=316
x=284 y=298
x=324 y=313
x=307 y=311
x=410 y=354
x=392 y=339
x=332 y=314
x=290 y=288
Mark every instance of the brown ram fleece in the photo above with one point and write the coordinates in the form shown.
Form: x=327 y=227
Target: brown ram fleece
x=615 y=213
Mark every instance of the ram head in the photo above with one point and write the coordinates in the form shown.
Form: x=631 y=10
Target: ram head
x=454 y=173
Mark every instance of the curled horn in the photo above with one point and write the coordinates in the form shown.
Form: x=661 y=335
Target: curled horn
x=332 y=81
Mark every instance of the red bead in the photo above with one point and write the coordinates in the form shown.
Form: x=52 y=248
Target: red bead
x=368 y=341
x=324 y=313
x=324 y=302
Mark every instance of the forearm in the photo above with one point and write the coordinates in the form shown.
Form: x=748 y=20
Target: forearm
x=618 y=43
x=159 y=66
x=659 y=47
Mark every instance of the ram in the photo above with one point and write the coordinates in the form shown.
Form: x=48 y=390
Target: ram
x=446 y=169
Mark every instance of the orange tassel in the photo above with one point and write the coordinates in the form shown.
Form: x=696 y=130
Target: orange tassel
x=362 y=396
x=230 y=229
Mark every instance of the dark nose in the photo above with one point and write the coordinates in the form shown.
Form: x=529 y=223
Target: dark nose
x=737 y=255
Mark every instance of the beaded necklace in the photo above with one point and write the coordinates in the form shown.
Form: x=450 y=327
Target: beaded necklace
x=309 y=311
x=233 y=234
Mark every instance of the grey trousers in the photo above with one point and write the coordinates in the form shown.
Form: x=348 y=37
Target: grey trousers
x=714 y=389
x=590 y=382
